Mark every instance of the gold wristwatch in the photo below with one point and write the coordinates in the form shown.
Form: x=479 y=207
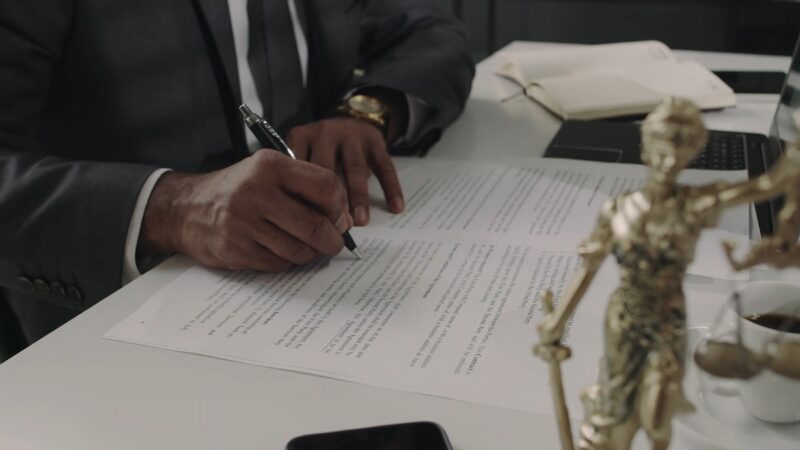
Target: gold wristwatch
x=368 y=109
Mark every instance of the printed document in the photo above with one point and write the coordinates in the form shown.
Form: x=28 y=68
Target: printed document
x=444 y=302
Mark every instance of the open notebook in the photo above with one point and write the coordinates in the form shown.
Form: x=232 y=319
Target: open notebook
x=610 y=80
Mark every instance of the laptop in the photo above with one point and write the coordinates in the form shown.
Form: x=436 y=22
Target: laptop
x=611 y=141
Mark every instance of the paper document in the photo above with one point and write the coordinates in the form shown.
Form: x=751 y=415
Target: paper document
x=444 y=302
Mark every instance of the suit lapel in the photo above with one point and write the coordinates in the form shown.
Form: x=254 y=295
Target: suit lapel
x=217 y=20
x=332 y=30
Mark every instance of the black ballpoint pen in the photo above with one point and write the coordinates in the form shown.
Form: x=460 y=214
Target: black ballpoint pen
x=268 y=137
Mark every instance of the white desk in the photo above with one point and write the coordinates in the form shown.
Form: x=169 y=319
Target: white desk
x=75 y=390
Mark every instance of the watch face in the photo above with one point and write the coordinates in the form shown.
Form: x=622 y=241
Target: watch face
x=365 y=104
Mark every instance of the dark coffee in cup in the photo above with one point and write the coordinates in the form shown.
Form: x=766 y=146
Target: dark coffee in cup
x=765 y=309
x=775 y=321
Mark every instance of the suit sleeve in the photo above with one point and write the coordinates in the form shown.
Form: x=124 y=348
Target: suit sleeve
x=63 y=223
x=411 y=46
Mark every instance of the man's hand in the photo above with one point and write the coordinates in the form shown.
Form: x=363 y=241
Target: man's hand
x=354 y=147
x=267 y=212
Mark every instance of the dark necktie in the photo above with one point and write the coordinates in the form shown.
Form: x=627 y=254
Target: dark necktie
x=273 y=59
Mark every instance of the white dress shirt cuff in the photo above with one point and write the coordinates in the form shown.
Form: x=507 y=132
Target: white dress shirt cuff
x=130 y=270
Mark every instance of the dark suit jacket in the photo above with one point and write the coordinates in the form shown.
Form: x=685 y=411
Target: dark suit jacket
x=96 y=94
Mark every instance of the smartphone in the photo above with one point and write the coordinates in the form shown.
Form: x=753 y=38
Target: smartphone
x=752 y=82
x=402 y=436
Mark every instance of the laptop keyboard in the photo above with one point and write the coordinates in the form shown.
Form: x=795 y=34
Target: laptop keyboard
x=724 y=151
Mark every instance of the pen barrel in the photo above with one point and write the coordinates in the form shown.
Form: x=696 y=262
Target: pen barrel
x=348 y=241
x=266 y=140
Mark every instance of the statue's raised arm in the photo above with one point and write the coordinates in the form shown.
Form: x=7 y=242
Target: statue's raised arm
x=780 y=250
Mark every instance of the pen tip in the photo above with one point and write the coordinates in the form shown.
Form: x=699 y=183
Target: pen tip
x=245 y=110
x=357 y=253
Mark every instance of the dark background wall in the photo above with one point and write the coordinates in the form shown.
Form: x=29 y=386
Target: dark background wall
x=747 y=26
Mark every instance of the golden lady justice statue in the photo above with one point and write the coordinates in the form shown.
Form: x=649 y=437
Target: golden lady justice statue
x=652 y=234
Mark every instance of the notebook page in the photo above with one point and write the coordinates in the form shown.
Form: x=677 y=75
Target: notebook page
x=531 y=66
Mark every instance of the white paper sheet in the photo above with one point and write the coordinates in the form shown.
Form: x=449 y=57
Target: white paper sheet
x=445 y=301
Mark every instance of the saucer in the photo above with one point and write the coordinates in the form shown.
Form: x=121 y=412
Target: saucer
x=720 y=420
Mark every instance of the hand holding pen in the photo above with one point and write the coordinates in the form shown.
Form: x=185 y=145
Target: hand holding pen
x=268 y=137
x=266 y=212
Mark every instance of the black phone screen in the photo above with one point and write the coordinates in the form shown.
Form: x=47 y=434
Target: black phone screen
x=404 y=436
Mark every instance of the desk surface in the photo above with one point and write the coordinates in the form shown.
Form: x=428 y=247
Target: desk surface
x=75 y=390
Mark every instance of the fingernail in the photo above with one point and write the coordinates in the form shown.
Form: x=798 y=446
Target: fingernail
x=361 y=215
x=350 y=221
x=342 y=223
x=398 y=204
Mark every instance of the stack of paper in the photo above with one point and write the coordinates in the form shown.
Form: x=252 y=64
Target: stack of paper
x=445 y=301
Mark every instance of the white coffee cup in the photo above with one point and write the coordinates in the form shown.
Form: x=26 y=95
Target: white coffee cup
x=768 y=396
